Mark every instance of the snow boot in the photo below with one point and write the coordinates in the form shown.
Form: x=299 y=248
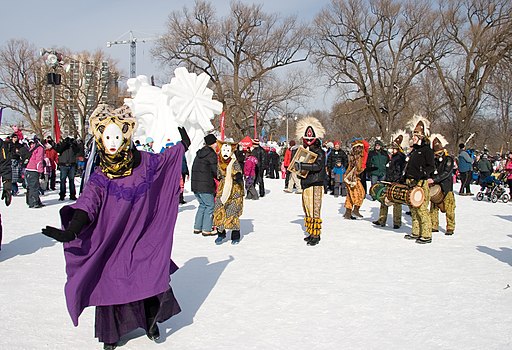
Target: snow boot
x=314 y=240
x=308 y=238
x=378 y=223
x=182 y=201
x=355 y=212
x=220 y=238
x=423 y=240
x=449 y=232
x=348 y=214
x=396 y=227
x=109 y=346
x=235 y=237
x=411 y=236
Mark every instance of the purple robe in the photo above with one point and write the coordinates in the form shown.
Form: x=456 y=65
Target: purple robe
x=124 y=254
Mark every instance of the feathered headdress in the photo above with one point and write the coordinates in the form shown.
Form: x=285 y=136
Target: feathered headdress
x=309 y=129
x=400 y=140
x=419 y=126
x=438 y=143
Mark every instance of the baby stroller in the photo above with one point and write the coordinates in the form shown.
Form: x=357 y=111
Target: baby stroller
x=493 y=187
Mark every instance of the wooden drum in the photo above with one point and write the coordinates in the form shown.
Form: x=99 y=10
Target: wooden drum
x=378 y=192
x=437 y=197
x=402 y=194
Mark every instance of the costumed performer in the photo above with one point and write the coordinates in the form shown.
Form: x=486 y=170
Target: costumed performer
x=394 y=173
x=418 y=172
x=118 y=235
x=6 y=175
x=311 y=131
x=229 y=200
x=443 y=176
x=355 y=190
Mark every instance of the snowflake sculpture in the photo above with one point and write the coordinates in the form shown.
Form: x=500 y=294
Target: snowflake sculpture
x=186 y=102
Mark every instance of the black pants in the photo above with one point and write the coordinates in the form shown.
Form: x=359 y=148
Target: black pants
x=465 y=179
x=32 y=178
x=259 y=181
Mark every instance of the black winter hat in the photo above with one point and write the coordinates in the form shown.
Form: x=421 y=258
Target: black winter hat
x=210 y=139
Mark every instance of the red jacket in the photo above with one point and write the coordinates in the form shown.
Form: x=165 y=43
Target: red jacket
x=53 y=156
x=287 y=157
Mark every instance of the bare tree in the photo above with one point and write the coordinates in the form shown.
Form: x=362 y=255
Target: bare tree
x=90 y=80
x=374 y=50
x=23 y=78
x=241 y=53
x=478 y=35
x=500 y=101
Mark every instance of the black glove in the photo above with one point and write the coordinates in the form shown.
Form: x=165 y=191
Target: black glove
x=297 y=166
x=185 y=140
x=58 y=235
x=7 y=192
x=41 y=176
x=78 y=221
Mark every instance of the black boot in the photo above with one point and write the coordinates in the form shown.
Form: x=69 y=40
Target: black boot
x=220 y=238
x=153 y=332
x=182 y=200
x=235 y=236
x=378 y=223
x=314 y=240
x=308 y=238
x=109 y=346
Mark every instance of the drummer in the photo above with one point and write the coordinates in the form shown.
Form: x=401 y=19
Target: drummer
x=418 y=172
x=443 y=177
x=394 y=171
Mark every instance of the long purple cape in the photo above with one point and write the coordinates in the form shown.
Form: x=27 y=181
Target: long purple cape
x=124 y=254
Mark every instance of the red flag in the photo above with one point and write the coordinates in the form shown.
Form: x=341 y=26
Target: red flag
x=56 y=126
x=222 y=124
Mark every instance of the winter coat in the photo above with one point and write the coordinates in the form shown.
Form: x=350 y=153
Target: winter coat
x=184 y=166
x=5 y=160
x=273 y=159
x=337 y=155
x=204 y=171
x=287 y=157
x=484 y=166
x=395 y=167
x=68 y=150
x=53 y=156
x=508 y=168
x=465 y=162
x=443 y=175
x=36 y=160
x=262 y=157
x=250 y=166
x=421 y=163
x=376 y=163
x=317 y=173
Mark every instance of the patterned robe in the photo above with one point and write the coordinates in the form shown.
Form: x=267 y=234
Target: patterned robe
x=227 y=215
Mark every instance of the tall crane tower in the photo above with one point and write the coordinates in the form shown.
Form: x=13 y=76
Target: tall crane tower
x=133 y=50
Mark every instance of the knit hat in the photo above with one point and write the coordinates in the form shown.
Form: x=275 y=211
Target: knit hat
x=210 y=139
x=337 y=143
x=330 y=144
x=255 y=142
x=149 y=140
x=169 y=143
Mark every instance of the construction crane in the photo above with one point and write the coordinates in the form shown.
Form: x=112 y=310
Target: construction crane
x=133 y=50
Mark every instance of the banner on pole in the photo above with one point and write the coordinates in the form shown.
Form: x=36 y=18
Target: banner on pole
x=222 y=125
x=57 y=126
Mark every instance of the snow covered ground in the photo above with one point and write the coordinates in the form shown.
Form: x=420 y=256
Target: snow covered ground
x=362 y=287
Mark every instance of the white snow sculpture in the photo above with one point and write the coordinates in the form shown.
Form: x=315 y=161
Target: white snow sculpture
x=186 y=102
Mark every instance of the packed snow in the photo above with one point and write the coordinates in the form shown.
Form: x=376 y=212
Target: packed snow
x=362 y=287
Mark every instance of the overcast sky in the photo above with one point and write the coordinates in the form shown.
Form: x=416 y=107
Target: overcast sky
x=89 y=24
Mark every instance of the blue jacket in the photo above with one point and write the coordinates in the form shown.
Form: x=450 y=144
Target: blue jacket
x=465 y=162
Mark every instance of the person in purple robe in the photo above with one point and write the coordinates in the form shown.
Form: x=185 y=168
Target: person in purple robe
x=118 y=235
